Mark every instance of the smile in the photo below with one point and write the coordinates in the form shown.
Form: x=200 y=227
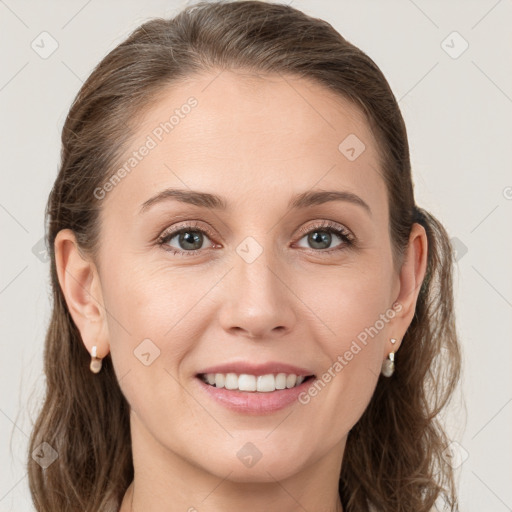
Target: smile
x=253 y=383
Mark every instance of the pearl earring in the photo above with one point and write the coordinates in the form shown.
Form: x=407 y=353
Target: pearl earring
x=388 y=366
x=95 y=365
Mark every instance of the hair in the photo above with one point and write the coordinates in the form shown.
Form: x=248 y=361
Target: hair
x=393 y=459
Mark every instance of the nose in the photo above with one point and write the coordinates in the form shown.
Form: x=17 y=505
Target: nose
x=259 y=302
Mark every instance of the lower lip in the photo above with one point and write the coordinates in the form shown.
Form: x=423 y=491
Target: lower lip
x=253 y=402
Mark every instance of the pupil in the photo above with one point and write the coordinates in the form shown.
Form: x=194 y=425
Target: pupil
x=189 y=238
x=317 y=239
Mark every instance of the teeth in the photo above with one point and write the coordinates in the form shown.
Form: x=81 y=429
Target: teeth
x=261 y=383
x=231 y=381
x=281 y=381
x=291 y=380
x=266 y=383
x=247 y=382
x=219 y=379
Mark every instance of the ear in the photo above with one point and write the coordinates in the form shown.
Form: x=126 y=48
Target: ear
x=80 y=284
x=411 y=277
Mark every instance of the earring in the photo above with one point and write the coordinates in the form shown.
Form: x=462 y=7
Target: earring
x=388 y=366
x=95 y=365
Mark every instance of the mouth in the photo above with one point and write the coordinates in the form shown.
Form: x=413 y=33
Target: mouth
x=250 y=394
x=244 y=382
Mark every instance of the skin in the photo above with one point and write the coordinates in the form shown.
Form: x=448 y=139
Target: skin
x=256 y=141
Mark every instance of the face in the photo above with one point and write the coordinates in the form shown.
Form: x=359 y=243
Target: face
x=269 y=283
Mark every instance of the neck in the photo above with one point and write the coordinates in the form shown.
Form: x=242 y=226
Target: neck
x=131 y=504
x=163 y=480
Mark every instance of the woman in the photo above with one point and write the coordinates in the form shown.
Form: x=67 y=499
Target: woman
x=238 y=264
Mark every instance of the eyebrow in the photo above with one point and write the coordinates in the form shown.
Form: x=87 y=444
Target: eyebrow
x=215 y=202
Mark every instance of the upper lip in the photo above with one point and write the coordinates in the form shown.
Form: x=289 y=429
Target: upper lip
x=245 y=367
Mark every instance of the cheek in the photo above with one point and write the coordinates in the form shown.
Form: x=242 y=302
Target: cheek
x=155 y=319
x=350 y=303
x=150 y=305
x=355 y=321
x=144 y=317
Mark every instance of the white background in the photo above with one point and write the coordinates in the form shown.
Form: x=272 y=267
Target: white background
x=458 y=113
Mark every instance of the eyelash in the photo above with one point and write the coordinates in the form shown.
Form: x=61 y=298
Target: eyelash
x=328 y=226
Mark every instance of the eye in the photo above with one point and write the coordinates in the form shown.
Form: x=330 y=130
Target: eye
x=189 y=238
x=320 y=235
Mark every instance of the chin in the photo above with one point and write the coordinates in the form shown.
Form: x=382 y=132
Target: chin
x=257 y=462
x=261 y=472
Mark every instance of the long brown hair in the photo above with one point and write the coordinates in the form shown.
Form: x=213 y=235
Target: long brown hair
x=393 y=458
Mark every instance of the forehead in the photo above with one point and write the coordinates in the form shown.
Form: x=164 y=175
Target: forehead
x=256 y=108
x=233 y=132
